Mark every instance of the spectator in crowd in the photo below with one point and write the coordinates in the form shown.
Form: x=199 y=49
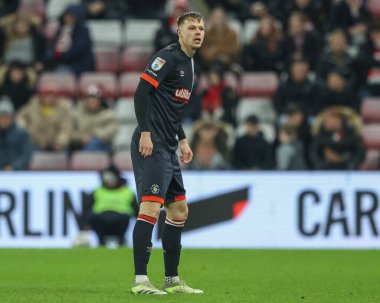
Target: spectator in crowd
x=336 y=140
x=290 y=151
x=252 y=151
x=167 y=33
x=368 y=63
x=95 y=125
x=22 y=40
x=266 y=50
x=302 y=42
x=221 y=43
x=112 y=205
x=48 y=120
x=351 y=16
x=106 y=9
x=15 y=146
x=219 y=100
x=337 y=91
x=18 y=83
x=297 y=89
x=211 y=132
x=207 y=157
x=295 y=118
x=8 y=7
x=336 y=57
x=71 y=48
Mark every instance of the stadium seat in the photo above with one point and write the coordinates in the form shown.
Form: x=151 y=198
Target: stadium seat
x=33 y=7
x=49 y=161
x=107 y=81
x=63 y=84
x=122 y=160
x=82 y=160
x=55 y=8
x=139 y=32
x=122 y=140
x=125 y=110
x=258 y=84
x=249 y=30
x=374 y=7
x=106 y=33
x=261 y=107
x=371 y=161
x=370 y=110
x=135 y=58
x=371 y=136
x=106 y=59
x=128 y=83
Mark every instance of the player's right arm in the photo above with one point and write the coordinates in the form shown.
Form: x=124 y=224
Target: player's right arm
x=142 y=102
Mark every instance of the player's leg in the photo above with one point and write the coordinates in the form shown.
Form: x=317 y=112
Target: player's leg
x=150 y=181
x=176 y=215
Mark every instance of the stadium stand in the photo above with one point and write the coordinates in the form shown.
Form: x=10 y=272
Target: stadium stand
x=135 y=58
x=49 y=161
x=128 y=82
x=63 y=84
x=122 y=160
x=106 y=81
x=371 y=136
x=125 y=111
x=81 y=160
x=258 y=84
x=260 y=107
x=106 y=59
x=55 y=8
x=370 y=110
x=140 y=32
x=106 y=32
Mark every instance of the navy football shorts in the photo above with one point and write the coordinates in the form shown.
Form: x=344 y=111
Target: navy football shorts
x=158 y=177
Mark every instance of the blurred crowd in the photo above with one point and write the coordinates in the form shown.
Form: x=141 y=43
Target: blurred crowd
x=324 y=55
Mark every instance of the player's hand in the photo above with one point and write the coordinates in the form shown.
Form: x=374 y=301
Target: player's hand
x=146 y=144
x=186 y=152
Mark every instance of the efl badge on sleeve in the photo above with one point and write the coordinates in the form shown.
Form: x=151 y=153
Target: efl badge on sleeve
x=157 y=64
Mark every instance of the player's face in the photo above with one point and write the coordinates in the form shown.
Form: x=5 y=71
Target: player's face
x=192 y=32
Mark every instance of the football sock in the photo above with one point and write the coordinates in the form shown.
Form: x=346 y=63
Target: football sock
x=171 y=244
x=141 y=279
x=172 y=279
x=142 y=242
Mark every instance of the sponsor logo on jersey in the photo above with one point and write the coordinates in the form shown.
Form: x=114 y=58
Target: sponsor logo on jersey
x=157 y=64
x=183 y=94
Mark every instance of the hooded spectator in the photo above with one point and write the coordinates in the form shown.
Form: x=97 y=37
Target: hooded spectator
x=71 y=49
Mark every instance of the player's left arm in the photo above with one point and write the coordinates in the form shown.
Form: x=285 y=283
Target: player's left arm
x=186 y=152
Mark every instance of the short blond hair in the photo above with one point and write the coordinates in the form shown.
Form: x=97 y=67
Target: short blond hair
x=189 y=16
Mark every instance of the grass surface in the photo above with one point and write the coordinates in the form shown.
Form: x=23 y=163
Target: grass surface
x=105 y=275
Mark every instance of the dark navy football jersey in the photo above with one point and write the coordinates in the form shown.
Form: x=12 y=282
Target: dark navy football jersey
x=171 y=72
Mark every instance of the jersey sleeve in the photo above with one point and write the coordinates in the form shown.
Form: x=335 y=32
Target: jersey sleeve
x=158 y=68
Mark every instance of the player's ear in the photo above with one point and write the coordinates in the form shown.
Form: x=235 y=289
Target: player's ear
x=179 y=32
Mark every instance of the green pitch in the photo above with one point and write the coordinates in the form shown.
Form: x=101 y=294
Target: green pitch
x=104 y=275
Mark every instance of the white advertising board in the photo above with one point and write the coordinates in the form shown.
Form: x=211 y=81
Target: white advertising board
x=227 y=209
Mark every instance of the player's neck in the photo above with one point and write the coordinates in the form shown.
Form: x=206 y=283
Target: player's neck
x=189 y=51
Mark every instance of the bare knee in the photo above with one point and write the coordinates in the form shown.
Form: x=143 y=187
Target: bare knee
x=177 y=211
x=151 y=209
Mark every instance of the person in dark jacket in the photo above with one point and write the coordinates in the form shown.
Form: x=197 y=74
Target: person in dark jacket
x=8 y=7
x=71 y=49
x=252 y=151
x=15 y=146
x=112 y=205
x=297 y=89
x=167 y=33
x=18 y=83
